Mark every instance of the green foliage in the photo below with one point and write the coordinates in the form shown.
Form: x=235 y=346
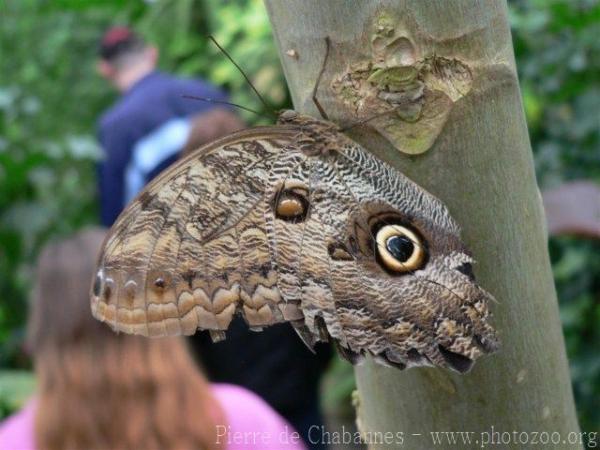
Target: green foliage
x=50 y=98
x=16 y=387
x=577 y=274
x=241 y=27
x=558 y=57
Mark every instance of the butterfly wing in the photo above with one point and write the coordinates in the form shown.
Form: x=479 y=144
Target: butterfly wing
x=192 y=248
x=296 y=223
x=321 y=266
x=430 y=314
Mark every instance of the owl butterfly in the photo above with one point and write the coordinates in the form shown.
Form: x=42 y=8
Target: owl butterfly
x=296 y=222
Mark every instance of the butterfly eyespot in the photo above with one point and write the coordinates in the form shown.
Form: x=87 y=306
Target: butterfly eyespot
x=188 y=276
x=98 y=284
x=399 y=249
x=108 y=288
x=292 y=205
x=130 y=289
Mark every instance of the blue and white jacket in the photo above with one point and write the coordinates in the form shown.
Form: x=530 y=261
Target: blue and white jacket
x=143 y=133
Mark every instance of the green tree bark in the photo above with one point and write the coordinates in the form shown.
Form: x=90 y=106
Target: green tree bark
x=480 y=164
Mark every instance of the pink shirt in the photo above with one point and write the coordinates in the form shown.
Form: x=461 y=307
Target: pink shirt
x=251 y=424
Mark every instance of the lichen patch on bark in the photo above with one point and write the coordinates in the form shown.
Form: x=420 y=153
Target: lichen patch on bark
x=360 y=425
x=417 y=90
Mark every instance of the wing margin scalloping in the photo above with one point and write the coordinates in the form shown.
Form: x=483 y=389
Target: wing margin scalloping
x=125 y=265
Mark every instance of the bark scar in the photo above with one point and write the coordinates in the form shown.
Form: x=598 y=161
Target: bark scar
x=418 y=90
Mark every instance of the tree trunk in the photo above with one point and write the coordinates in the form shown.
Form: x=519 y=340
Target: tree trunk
x=468 y=145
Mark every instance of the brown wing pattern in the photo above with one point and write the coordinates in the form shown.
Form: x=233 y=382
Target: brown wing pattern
x=192 y=249
x=296 y=223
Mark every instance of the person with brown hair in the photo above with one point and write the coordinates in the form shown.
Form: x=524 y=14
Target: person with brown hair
x=102 y=390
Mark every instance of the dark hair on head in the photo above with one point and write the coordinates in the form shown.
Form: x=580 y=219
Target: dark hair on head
x=119 y=41
x=101 y=390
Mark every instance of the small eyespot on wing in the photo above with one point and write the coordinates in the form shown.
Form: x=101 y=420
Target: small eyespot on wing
x=171 y=262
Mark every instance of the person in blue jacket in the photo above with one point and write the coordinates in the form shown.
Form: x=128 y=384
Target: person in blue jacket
x=146 y=130
x=152 y=122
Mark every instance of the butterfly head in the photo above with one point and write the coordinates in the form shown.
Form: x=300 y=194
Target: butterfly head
x=308 y=124
x=315 y=136
x=288 y=116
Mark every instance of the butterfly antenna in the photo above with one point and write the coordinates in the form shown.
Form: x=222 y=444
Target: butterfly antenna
x=368 y=119
x=376 y=116
x=223 y=102
x=260 y=97
x=316 y=87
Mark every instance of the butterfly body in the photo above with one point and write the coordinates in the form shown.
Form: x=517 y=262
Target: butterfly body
x=297 y=223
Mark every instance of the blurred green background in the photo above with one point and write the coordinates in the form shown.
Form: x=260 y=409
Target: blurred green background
x=50 y=98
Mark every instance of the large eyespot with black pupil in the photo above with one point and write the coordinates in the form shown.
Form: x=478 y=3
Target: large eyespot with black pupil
x=291 y=204
x=399 y=249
